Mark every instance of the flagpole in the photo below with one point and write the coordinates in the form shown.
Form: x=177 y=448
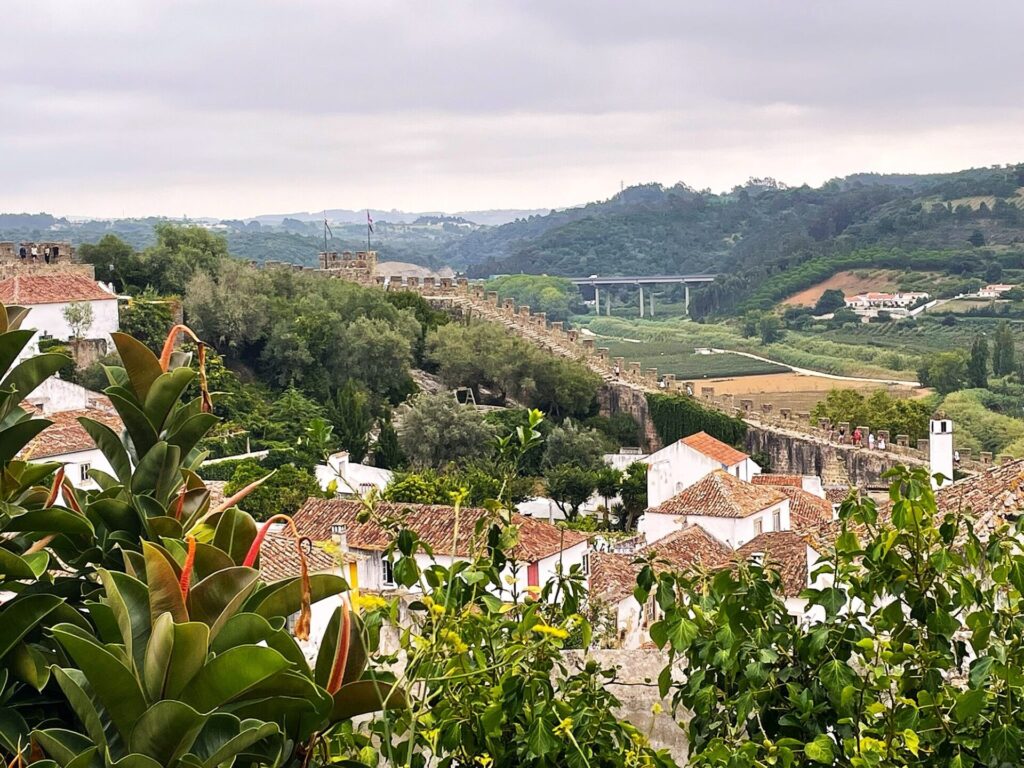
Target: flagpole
x=369 y=229
x=325 y=230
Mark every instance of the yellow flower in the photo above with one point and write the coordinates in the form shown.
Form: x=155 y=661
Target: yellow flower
x=533 y=589
x=564 y=728
x=371 y=602
x=437 y=610
x=657 y=709
x=484 y=760
x=546 y=629
x=454 y=641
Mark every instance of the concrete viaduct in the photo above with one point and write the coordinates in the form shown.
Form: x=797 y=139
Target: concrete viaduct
x=595 y=282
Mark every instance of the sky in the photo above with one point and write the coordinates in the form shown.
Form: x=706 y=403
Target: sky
x=232 y=109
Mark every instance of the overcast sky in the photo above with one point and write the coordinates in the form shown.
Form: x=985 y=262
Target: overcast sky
x=226 y=108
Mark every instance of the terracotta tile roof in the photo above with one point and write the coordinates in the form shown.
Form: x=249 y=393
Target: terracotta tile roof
x=837 y=494
x=66 y=435
x=612 y=576
x=26 y=290
x=784 y=551
x=434 y=524
x=691 y=545
x=992 y=496
x=806 y=509
x=795 y=481
x=714 y=448
x=719 y=494
x=279 y=560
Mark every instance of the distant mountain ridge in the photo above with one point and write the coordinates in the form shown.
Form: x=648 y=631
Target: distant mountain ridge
x=488 y=218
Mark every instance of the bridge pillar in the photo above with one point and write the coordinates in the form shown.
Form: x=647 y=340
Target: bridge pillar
x=597 y=300
x=686 y=298
x=650 y=295
x=641 y=287
x=608 y=303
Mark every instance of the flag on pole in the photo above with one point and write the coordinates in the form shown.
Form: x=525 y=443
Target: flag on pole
x=369 y=222
x=327 y=228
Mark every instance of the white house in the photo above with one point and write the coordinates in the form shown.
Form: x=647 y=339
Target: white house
x=684 y=462
x=730 y=509
x=47 y=296
x=541 y=548
x=994 y=290
x=878 y=300
x=613 y=576
x=351 y=479
x=65 y=440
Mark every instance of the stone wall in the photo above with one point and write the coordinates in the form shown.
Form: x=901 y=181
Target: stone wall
x=616 y=397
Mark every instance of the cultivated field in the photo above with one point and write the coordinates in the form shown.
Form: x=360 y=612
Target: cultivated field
x=793 y=390
x=850 y=283
x=672 y=357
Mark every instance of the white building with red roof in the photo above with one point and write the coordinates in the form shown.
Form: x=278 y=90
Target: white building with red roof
x=681 y=464
x=47 y=296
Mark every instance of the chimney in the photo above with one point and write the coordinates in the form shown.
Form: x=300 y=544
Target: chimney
x=940 y=448
x=339 y=535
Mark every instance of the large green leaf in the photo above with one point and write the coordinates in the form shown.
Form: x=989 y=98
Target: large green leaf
x=136 y=761
x=31 y=372
x=188 y=655
x=365 y=696
x=12 y=343
x=225 y=736
x=142 y=366
x=283 y=598
x=61 y=744
x=192 y=431
x=12 y=566
x=112 y=682
x=51 y=520
x=109 y=443
x=231 y=674
x=29 y=664
x=356 y=661
x=158 y=474
x=218 y=597
x=128 y=599
x=164 y=589
x=252 y=629
x=20 y=615
x=166 y=731
x=16 y=437
x=165 y=391
x=141 y=432
x=80 y=696
x=234 y=534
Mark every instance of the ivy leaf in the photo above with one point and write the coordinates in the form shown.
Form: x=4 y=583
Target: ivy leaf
x=541 y=739
x=979 y=671
x=1002 y=745
x=835 y=675
x=969 y=704
x=819 y=750
x=912 y=741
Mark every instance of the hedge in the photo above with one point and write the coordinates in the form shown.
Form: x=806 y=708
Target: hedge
x=677 y=416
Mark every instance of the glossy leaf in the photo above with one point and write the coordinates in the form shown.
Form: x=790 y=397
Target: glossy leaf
x=283 y=598
x=218 y=597
x=365 y=696
x=231 y=674
x=141 y=365
x=166 y=731
x=164 y=591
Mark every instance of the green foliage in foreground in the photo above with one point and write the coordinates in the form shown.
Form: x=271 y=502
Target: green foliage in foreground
x=677 y=416
x=914 y=658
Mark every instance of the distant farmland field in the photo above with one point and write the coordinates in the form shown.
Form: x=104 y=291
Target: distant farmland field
x=673 y=357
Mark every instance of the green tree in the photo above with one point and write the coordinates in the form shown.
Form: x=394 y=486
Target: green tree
x=350 y=414
x=770 y=329
x=977 y=238
x=945 y=372
x=387 y=453
x=115 y=262
x=607 y=481
x=829 y=301
x=435 y=430
x=180 y=252
x=148 y=318
x=751 y=324
x=283 y=493
x=1003 y=350
x=572 y=444
x=906 y=663
x=977 y=365
x=633 y=493
x=569 y=487
x=79 y=317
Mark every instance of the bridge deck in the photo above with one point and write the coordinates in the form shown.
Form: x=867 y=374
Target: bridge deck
x=642 y=279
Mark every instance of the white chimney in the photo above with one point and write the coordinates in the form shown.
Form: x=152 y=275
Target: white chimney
x=339 y=535
x=940 y=448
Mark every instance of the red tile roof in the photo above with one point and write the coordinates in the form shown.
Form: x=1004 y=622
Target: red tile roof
x=27 y=290
x=66 y=435
x=805 y=509
x=714 y=448
x=782 y=551
x=719 y=494
x=434 y=524
x=992 y=497
x=280 y=560
x=613 y=576
x=795 y=481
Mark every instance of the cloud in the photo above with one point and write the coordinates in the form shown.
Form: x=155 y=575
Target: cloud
x=235 y=108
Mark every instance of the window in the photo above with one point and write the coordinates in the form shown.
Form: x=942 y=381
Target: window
x=586 y=563
x=84 y=468
x=387 y=572
x=777 y=520
x=758 y=527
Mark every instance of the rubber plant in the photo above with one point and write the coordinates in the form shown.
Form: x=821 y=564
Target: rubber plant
x=151 y=640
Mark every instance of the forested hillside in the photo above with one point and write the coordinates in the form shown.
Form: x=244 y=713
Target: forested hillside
x=767 y=238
